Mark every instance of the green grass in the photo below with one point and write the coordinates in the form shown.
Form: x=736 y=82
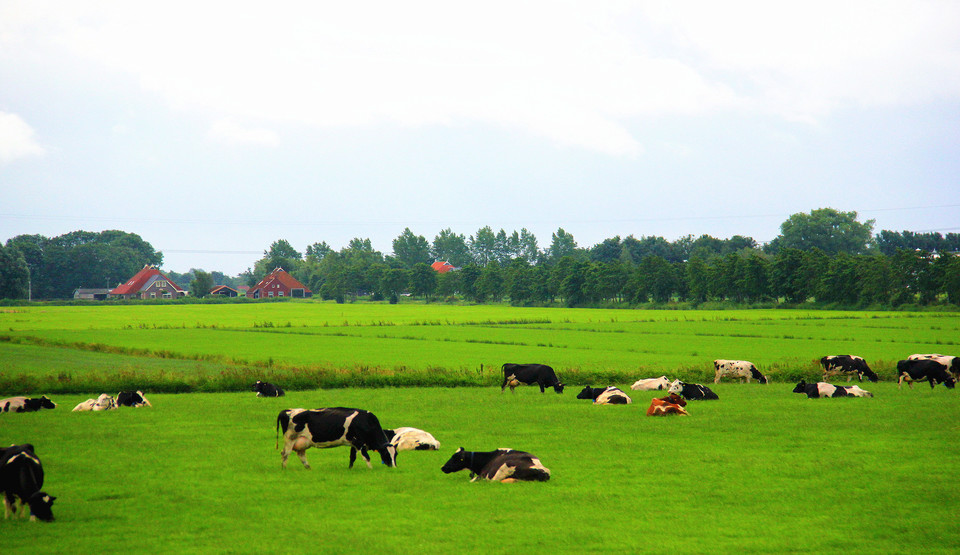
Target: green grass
x=761 y=470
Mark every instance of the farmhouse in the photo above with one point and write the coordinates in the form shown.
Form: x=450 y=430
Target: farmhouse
x=442 y=267
x=223 y=291
x=278 y=283
x=149 y=283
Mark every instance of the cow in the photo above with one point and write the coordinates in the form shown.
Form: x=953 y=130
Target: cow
x=103 y=402
x=132 y=399
x=501 y=465
x=21 y=476
x=692 y=391
x=605 y=395
x=855 y=391
x=529 y=374
x=651 y=384
x=847 y=365
x=924 y=369
x=333 y=427
x=820 y=389
x=665 y=406
x=26 y=404
x=742 y=369
x=951 y=362
x=267 y=389
x=411 y=439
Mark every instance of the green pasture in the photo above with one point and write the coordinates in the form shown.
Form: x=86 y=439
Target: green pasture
x=310 y=344
x=760 y=470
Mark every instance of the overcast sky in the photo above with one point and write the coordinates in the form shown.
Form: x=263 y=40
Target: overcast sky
x=213 y=129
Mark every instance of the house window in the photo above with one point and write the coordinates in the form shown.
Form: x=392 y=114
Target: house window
x=269 y=293
x=280 y=294
x=161 y=284
x=153 y=295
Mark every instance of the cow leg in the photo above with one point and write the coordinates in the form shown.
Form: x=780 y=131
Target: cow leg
x=9 y=506
x=303 y=458
x=541 y=386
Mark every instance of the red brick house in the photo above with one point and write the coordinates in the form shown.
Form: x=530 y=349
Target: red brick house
x=278 y=283
x=148 y=283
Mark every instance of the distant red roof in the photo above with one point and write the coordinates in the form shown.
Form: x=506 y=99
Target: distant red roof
x=141 y=280
x=442 y=267
x=276 y=282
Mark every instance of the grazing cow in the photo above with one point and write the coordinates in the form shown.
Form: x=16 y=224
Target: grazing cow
x=132 y=399
x=333 y=427
x=411 y=439
x=21 y=476
x=693 y=391
x=855 y=391
x=665 y=406
x=25 y=404
x=651 y=384
x=847 y=365
x=529 y=374
x=267 y=389
x=742 y=369
x=820 y=389
x=951 y=362
x=502 y=465
x=103 y=402
x=605 y=395
x=925 y=369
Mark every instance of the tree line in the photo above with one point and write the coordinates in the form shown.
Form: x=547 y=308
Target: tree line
x=825 y=256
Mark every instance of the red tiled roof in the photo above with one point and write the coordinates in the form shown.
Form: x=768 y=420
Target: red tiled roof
x=285 y=279
x=442 y=267
x=137 y=282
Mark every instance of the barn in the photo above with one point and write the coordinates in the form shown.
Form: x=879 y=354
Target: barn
x=148 y=283
x=278 y=283
x=223 y=291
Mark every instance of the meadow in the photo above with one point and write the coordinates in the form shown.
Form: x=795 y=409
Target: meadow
x=760 y=470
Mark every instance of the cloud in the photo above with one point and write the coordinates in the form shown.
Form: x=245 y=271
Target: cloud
x=16 y=139
x=229 y=132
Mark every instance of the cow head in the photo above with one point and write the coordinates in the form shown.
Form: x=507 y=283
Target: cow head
x=675 y=387
x=41 y=506
x=388 y=455
x=950 y=382
x=801 y=387
x=558 y=388
x=870 y=374
x=587 y=393
x=46 y=403
x=458 y=461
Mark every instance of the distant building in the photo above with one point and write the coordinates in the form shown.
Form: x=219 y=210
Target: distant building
x=91 y=294
x=223 y=291
x=149 y=283
x=442 y=267
x=278 y=283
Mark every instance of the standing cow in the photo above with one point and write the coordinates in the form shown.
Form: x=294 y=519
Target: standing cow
x=529 y=374
x=742 y=369
x=847 y=365
x=924 y=369
x=951 y=362
x=333 y=427
x=21 y=477
x=605 y=395
x=26 y=404
x=502 y=465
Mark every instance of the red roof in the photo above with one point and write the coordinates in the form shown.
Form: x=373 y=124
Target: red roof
x=442 y=267
x=139 y=281
x=280 y=276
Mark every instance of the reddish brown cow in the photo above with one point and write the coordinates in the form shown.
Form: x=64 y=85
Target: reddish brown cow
x=664 y=406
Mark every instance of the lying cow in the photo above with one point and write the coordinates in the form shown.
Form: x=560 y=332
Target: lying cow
x=132 y=399
x=333 y=427
x=665 y=406
x=692 y=391
x=605 y=395
x=267 y=389
x=502 y=465
x=924 y=369
x=411 y=439
x=847 y=365
x=529 y=374
x=951 y=362
x=103 y=402
x=26 y=404
x=21 y=477
x=651 y=384
x=855 y=391
x=742 y=369
x=820 y=389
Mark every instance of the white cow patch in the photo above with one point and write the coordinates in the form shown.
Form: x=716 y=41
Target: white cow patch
x=855 y=391
x=607 y=396
x=651 y=384
x=408 y=439
x=101 y=403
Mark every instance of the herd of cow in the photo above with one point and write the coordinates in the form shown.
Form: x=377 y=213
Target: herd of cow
x=21 y=472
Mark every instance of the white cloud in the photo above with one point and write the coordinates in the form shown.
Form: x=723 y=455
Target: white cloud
x=230 y=132
x=16 y=139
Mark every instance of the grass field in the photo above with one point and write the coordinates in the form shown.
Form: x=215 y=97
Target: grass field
x=761 y=470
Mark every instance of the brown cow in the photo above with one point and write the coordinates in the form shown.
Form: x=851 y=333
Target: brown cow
x=663 y=406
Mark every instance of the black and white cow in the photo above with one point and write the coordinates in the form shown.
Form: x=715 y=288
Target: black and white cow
x=924 y=369
x=411 y=439
x=502 y=465
x=103 y=402
x=267 y=389
x=951 y=362
x=333 y=427
x=529 y=374
x=26 y=404
x=651 y=384
x=742 y=369
x=21 y=477
x=847 y=365
x=132 y=399
x=820 y=389
x=605 y=395
x=692 y=391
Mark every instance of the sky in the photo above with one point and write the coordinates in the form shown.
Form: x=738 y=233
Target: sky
x=213 y=129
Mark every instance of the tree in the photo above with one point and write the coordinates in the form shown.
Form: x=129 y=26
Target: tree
x=483 y=246
x=317 y=251
x=826 y=229
x=201 y=285
x=280 y=255
x=410 y=249
x=393 y=282
x=14 y=273
x=490 y=283
x=423 y=280
x=452 y=248
x=561 y=244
